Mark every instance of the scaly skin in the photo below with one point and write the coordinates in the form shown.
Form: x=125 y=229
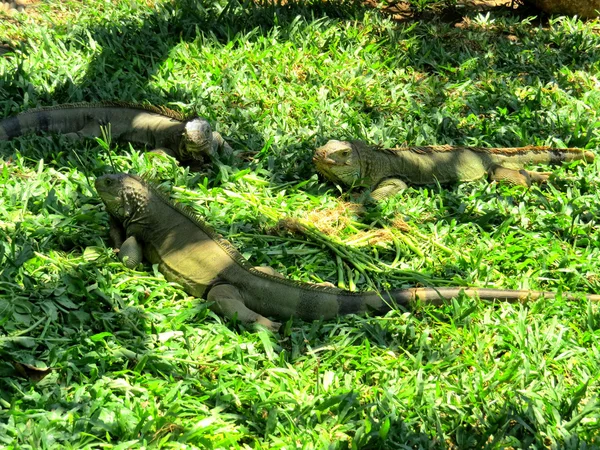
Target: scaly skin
x=145 y=223
x=386 y=171
x=158 y=128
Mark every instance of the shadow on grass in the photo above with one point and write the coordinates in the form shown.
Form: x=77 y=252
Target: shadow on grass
x=133 y=52
x=46 y=300
x=515 y=422
x=70 y=308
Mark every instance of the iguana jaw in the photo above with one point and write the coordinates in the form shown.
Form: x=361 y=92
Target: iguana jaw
x=196 y=142
x=338 y=162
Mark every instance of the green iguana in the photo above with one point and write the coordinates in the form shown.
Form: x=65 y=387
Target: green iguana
x=387 y=171
x=145 y=222
x=159 y=128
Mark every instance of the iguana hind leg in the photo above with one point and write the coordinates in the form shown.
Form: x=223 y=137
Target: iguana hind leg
x=228 y=302
x=518 y=177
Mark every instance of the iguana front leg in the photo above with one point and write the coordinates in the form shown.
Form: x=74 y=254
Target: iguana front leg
x=220 y=146
x=130 y=250
x=164 y=151
x=387 y=188
x=130 y=253
x=116 y=232
x=228 y=302
x=518 y=177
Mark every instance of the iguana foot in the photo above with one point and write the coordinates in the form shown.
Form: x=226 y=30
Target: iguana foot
x=228 y=302
x=518 y=177
x=268 y=324
x=538 y=177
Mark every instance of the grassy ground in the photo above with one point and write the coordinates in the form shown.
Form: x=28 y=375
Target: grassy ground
x=136 y=363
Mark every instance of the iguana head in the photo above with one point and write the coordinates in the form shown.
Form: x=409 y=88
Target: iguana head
x=197 y=140
x=123 y=194
x=338 y=161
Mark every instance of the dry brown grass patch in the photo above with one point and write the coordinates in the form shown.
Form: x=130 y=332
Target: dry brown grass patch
x=371 y=237
x=333 y=220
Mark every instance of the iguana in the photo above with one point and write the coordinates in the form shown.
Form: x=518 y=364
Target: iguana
x=387 y=171
x=159 y=128
x=145 y=222
x=12 y=5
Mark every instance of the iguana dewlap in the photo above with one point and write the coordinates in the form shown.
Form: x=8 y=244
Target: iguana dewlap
x=158 y=128
x=187 y=251
x=387 y=171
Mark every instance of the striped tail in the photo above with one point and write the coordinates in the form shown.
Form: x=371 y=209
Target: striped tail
x=516 y=157
x=10 y=128
x=311 y=302
x=438 y=296
x=60 y=121
x=559 y=155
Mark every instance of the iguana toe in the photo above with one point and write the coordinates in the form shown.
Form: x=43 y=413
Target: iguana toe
x=268 y=324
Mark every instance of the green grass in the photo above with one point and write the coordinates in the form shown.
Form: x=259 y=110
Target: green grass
x=137 y=363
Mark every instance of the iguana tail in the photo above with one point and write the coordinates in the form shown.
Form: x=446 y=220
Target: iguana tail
x=440 y=295
x=73 y=117
x=516 y=158
x=310 y=302
x=42 y=120
x=437 y=296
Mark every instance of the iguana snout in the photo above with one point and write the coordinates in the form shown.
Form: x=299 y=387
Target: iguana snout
x=338 y=161
x=197 y=139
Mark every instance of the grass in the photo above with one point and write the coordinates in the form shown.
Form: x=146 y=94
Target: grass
x=137 y=363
